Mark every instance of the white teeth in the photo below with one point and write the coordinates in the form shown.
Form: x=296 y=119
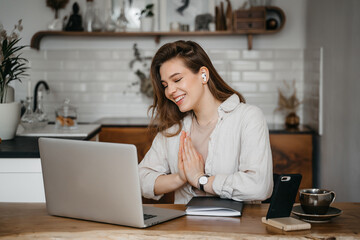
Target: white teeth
x=179 y=98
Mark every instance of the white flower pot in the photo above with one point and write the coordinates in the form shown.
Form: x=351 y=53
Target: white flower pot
x=9 y=119
x=147 y=24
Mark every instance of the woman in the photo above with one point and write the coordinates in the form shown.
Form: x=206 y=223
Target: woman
x=208 y=142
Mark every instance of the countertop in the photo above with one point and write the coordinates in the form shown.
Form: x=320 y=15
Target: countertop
x=25 y=144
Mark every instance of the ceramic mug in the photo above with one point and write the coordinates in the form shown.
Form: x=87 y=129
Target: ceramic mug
x=316 y=201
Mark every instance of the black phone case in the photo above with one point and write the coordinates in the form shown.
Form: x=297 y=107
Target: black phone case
x=285 y=190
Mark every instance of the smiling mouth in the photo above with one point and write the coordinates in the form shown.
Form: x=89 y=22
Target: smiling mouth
x=178 y=99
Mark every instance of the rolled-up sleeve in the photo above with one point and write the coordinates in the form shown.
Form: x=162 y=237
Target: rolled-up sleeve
x=253 y=179
x=152 y=166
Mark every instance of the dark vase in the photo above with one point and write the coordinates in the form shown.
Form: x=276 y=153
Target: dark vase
x=292 y=120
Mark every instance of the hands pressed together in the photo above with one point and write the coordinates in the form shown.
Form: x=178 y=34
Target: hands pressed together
x=191 y=164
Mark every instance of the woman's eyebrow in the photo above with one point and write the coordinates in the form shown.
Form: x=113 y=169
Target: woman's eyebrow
x=174 y=75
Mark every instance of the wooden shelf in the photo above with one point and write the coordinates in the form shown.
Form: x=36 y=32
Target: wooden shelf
x=36 y=39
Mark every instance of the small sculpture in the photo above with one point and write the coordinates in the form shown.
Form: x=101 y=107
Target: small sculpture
x=75 y=20
x=202 y=22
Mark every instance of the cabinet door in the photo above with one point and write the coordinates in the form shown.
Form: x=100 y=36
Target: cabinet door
x=292 y=153
x=139 y=136
x=142 y=138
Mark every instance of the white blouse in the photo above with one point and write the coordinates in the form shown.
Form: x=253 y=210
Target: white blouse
x=239 y=156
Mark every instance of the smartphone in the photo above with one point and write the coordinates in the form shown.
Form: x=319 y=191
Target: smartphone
x=286 y=187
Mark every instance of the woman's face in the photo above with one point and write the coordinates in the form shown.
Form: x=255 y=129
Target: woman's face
x=182 y=86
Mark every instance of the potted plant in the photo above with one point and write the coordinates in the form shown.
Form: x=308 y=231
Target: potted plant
x=147 y=18
x=12 y=67
x=289 y=103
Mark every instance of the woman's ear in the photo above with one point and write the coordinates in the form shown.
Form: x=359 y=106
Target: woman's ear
x=204 y=74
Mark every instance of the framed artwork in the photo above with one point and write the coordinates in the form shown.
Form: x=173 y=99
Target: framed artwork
x=183 y=12
x=132 y=12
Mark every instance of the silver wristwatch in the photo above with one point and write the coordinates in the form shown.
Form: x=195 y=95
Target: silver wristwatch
x=203 y=180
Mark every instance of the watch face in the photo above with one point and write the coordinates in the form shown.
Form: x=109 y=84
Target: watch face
x=203 y=180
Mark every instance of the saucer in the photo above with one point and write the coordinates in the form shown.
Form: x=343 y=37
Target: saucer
x=314 y=218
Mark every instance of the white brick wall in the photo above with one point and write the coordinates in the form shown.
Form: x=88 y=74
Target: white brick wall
x=101 y=84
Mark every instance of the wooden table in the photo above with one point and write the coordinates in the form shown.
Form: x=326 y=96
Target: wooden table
x=31 y=221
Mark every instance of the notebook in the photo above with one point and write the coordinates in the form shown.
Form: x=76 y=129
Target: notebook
x=96 y=181
x=214 y=206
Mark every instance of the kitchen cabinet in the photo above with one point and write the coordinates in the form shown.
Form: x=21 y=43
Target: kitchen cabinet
x=292 y=151
x=246 y=22
x=21 y=180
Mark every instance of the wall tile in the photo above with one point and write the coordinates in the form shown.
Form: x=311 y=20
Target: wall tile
x=32 y=54
x=62 y=55
x=243 y=65
x=266 y=65
x=257 y=54
x=45 y=65
x=257 y=76
x=112 y=65
x=95 y=54
x=234 y=76
x=289 y=54
x=78 y=65
x=244 y=87
x=224 y=54
x=122 y=54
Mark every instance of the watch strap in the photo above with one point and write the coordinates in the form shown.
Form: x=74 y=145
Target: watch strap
x=201 y=186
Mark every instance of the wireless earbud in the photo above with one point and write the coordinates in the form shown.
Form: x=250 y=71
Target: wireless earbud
x=203 y=77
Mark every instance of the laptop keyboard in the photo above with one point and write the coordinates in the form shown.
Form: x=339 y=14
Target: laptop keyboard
x=148 y=216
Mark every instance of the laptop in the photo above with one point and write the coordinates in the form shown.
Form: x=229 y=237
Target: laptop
x=96 y=181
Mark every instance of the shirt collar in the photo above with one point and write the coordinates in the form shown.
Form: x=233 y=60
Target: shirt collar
x=229 y=104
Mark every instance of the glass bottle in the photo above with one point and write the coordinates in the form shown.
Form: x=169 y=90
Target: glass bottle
x=121 y=21
x=41 y=116
x=89 y=16
x=29 y=120
x=66 y=116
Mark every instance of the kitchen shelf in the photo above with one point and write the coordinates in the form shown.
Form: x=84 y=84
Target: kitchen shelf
x=249 y=31
x=36 y=39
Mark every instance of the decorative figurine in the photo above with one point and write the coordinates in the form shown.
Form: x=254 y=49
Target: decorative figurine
x=75 y=20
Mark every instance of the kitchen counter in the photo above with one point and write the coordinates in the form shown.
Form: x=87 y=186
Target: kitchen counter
x=25 y=144
x=124 y=122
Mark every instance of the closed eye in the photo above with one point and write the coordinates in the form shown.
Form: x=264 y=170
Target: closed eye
x=178 y=80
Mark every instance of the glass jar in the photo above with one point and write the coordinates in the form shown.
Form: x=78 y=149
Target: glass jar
x=66 y=116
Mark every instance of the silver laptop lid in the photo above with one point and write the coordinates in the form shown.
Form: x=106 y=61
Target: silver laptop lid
x=92 y=180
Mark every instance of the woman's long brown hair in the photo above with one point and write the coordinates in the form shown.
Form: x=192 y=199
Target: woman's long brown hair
x=165 y=113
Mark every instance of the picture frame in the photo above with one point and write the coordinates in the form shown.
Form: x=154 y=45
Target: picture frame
x=183 y=12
